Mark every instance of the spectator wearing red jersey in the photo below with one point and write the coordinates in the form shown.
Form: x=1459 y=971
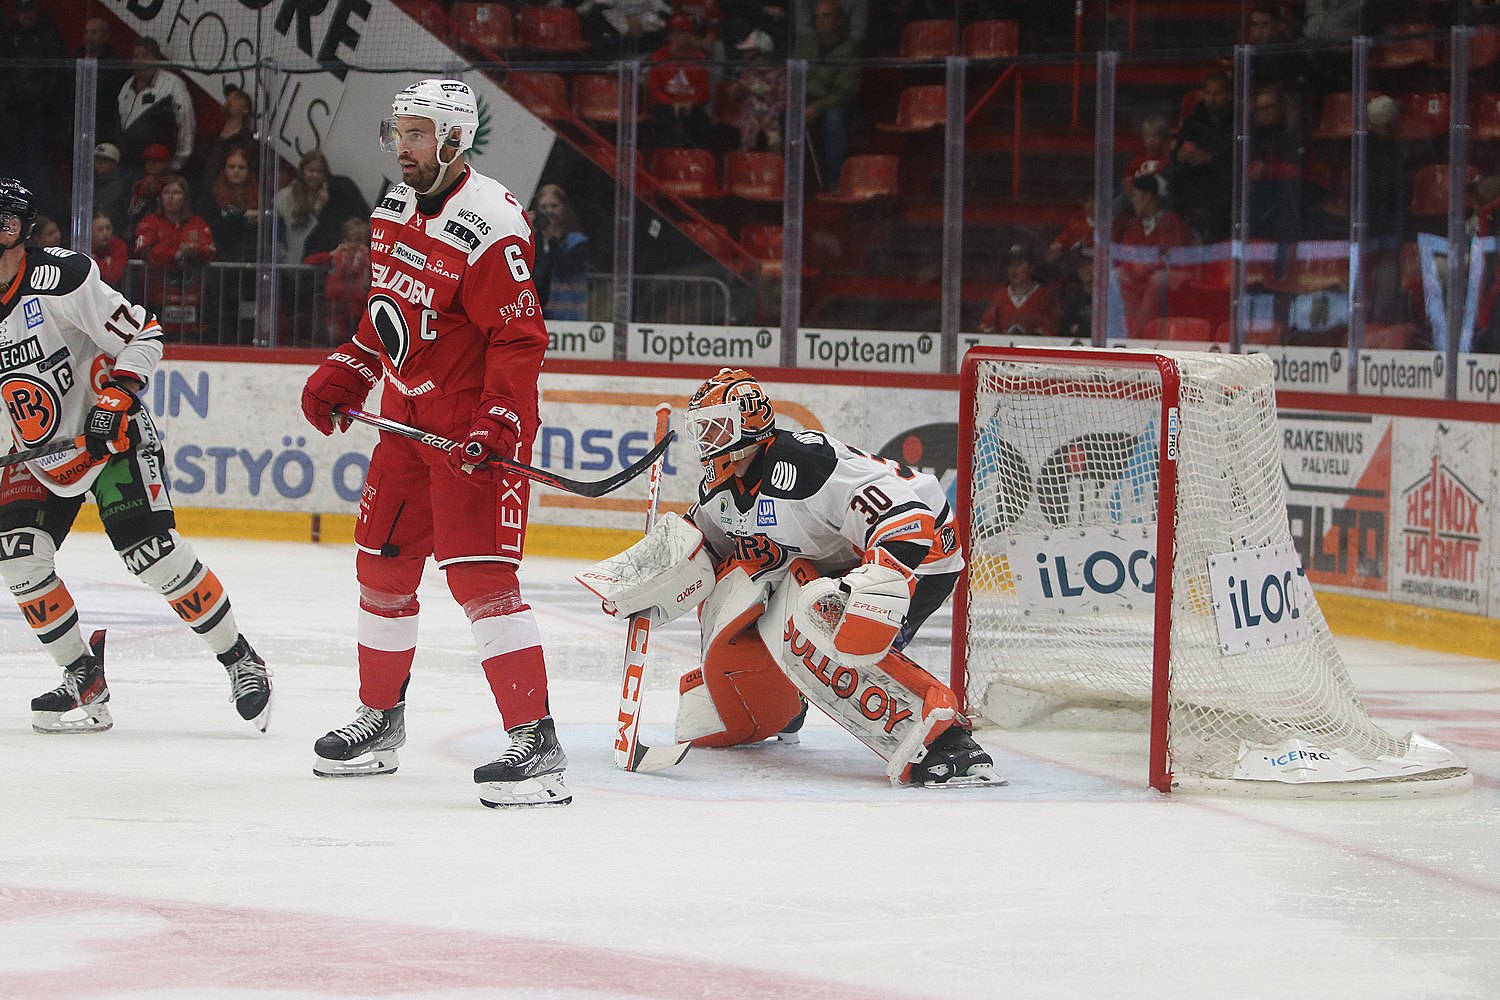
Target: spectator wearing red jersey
x=157 y=163
x=348 y=285
x=109 y=251
x=678 y=88
x=177 y=246
x=1077 y=232
x=1141 y=256
x=1024 y=307
x=1154 y=156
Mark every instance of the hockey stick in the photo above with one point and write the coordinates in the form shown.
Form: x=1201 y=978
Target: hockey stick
x=55 y=448
x=595 y=489
x=630 y=753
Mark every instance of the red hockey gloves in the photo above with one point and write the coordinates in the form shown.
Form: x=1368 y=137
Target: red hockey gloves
x=344 y=378
x=108 y=429
x=495 y=434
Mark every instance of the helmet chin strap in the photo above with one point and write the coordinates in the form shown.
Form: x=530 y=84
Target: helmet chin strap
x=442 y=169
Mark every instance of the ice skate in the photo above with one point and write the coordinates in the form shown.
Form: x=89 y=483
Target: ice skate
x=83 y=696
x=954 y=760
x=365 y=746
x=529 y=772
x=249 y=683
x=792 y=734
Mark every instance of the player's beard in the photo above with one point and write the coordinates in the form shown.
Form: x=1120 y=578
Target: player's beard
x=426 y=174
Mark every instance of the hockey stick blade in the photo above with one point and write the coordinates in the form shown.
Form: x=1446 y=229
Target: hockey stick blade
x=55 y=448
x=597 y=488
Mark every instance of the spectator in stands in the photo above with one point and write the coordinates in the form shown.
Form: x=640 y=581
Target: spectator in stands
x=348 y=284
x=313 y=207
x=1385 y=211
x=111 y=188
x=1203 y=161
x=177 y=246
x=46 y=233
x=35 y=93
x=1264 y=25
x=1275 y=170
x=761 y=88
x=744 y=16
x=157 y=162
x=1141 y=269
x=109 y=78
x=832 y=86
x=1024 y=307
x=1153 y=157
x=562 y=256
x=1076 y=299
x=678 y=88
x=237 y=133
x=232 y=208
x=623 y=27
x=155 y=107
x=1330 y=20
x=1077 y=232
x=109 y=252
x=854 y=15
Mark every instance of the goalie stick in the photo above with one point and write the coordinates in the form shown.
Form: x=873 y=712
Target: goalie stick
x=597 y=488
x=630 y=753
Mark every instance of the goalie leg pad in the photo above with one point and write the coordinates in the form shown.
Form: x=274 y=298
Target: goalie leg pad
x=894 y=707
x=665 y=575
x=740 y=694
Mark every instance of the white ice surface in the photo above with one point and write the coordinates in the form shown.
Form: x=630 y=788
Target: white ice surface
x=183 y=855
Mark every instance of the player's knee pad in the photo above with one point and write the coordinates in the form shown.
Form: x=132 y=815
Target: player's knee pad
x=485 y=589
x=162 y=562
x=740 y=694
x=893 y=706
x=392 y=575
x=28 y=559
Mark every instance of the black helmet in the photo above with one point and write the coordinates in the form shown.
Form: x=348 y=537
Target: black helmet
x=16 y=199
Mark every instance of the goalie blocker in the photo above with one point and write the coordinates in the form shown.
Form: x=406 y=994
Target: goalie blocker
x=767 y=644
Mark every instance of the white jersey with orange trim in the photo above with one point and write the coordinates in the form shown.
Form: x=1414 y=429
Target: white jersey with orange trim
x=809 y=495
x=62 y=332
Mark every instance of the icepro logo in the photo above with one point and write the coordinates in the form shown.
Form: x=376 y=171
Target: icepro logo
x=415 y=258
x=1260 y=597
x=33 y=407
x=1085 y=570
x=765 y=512
x=33 y=312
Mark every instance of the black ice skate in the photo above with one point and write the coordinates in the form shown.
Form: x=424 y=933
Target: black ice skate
x=793 y=731
x=529 y=772
x=249 y=683
x=365 y=746
x=954 y=760
x=83 y=696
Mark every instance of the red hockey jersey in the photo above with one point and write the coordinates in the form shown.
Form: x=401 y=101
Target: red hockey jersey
x=452 y=307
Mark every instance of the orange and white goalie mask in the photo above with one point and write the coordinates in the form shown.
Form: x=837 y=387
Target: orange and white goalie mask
x=726 y=418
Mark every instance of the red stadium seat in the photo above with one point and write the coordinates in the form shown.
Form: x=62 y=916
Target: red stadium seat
x=1429 y=189
x=865 y=178
x=1423 y=115
x=596 y=97
x=486 y=24
x=543 y=94
x=687 y=173
x=928 y=39
x=921 y=108
x=755 y=176
x=713 y=238
x=429 y=16
x=1265 y=334
x=1397 y=337
x=1486 y=117
x=1178 y=328
x=1400 y=53
x=992 y=39
x=551 y=29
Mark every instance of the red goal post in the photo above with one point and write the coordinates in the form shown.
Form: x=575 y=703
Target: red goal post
x=1124 y=520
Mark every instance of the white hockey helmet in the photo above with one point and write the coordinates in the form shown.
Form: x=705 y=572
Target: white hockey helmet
x=448 y=104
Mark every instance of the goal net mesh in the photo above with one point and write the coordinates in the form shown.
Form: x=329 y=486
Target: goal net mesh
x=1068 y=451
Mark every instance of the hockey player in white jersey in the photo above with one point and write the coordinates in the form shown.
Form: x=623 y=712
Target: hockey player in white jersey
x=819 y=563
x=74 y=357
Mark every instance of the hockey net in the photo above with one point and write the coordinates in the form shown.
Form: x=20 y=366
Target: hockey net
x=1128 y=548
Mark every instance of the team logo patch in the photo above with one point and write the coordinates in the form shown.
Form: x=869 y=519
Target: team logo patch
x=46 y=277
x=525 y=305
x=385 y=316
x=765 y=512
x=33 y=312
x=783 y=475
x=415 y=258
x=33 y=407
x=463 y=234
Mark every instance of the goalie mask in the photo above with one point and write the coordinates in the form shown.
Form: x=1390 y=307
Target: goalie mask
x=727 y=418
x=17 y=213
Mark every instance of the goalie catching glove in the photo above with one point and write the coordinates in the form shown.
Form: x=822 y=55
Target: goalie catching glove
x=862 y=612
x=108 y=429
x=664 y=575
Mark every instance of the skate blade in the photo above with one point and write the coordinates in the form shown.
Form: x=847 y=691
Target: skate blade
x=979 y=776
x=95 y=719
x=542 y=790
x=263 y=720
x=379 y=762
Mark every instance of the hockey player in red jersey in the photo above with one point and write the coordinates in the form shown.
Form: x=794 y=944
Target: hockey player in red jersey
x=76 y=356
x=454 y=328
x=815 y=564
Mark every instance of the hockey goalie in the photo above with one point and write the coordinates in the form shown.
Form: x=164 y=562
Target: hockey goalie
x=814 y=565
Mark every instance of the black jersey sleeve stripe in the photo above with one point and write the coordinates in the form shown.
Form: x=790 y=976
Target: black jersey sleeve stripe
x=893 y=514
